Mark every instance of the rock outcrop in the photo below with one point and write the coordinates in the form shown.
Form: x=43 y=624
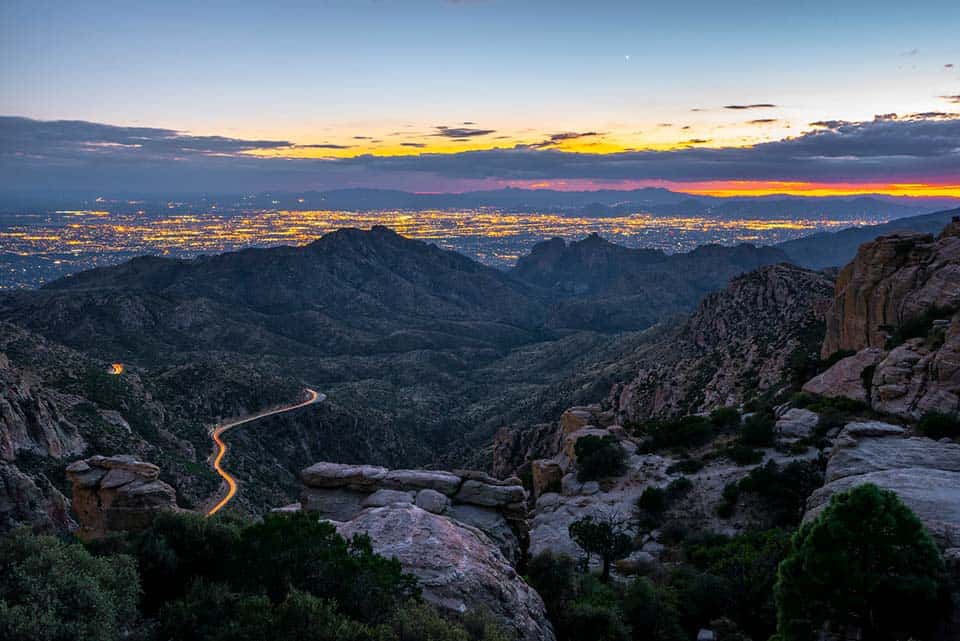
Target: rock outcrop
x=340 y=492
x=893 y=280
x=458 y=567
x=737 y=346
x=898 y=304
x=923 y=472
x=117 y=494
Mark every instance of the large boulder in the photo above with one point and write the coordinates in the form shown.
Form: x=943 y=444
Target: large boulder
x=797 y=423
x=924 y=473
x=458 y=566
x=848 y=377
x=117 y=494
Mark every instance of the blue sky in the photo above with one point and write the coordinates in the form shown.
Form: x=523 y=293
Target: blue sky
x=380 y=77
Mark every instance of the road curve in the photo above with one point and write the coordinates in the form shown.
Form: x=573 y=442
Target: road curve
x=217 y=433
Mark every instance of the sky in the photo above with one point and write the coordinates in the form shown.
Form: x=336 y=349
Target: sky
x=735 y=97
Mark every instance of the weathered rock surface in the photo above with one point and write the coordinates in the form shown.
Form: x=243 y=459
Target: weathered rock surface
x=893 y=279
x=916 y=378
x=924 y=473
x=31 y=501
x=340 y=492
x=117 y=493
x=459 y=567
x=736 y=346
x=797 y=423
x=846 y=377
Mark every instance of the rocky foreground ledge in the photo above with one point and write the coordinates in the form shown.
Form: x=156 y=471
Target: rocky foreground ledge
x=460 y=533
x=497 y=507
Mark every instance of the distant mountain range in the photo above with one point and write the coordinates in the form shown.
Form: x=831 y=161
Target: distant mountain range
x=835 y=249
x=609 y=202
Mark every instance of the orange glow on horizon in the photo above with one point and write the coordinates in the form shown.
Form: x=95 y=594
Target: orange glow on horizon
x=734 y=188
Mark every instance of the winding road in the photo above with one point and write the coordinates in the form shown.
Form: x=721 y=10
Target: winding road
x=217 y=433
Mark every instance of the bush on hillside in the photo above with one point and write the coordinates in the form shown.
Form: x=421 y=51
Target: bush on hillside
x=56 y=591
x=937 y=425
x=599 y=457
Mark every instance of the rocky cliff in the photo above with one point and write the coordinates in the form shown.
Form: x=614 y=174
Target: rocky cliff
x=894 y=280
x=897 y=305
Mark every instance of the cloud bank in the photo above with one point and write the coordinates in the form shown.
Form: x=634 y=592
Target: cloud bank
x=84 y=155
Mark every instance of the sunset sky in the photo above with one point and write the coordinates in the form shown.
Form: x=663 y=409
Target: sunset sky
x=710 y=97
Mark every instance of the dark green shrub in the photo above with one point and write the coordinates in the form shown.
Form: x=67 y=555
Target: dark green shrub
x=679 y=433
x=743 y=454
x=213 y=612
x=599 y=457
x=784 y=490
x=746 y=567
x=865 y=565
x=678 y=487
x=652 y=611
x=56 y=591
x=653 y=500
x=936 y=425
x=725 y=418
x=758 y=430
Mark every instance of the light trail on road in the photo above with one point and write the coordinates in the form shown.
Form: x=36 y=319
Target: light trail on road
x=217 y=433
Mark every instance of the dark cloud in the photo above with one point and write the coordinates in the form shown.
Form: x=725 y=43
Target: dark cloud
x=762 y=121
x=556 y=139
x=757 y=105
x=880 y=149
x=949 y=65
x=696 y=141
x=362 y=138
x=412 y=144
x=954 y=99
x=461 y=132
x=323 y=145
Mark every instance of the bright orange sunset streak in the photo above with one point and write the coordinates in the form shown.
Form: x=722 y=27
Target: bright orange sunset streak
x=769 y=188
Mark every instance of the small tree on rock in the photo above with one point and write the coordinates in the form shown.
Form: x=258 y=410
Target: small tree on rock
x=606 y=536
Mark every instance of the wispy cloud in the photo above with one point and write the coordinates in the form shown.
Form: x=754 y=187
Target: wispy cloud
x=756 y=105
x=461 y=132
x=762 y=121
x=556 y=139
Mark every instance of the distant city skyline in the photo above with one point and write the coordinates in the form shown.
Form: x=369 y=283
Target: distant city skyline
x=735 y=98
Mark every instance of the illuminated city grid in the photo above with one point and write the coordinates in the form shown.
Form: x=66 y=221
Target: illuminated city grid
x=38 y=248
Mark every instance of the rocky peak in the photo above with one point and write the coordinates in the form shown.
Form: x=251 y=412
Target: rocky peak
x=735 y=346
x=892 y=280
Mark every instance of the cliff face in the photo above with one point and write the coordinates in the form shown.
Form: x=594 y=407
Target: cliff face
x=893 y=280
x=737 y=345
x=898 y=305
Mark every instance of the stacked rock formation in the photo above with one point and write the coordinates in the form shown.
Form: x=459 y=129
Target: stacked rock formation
x=340 y=492
x=117 y=493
